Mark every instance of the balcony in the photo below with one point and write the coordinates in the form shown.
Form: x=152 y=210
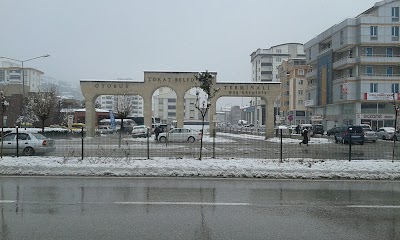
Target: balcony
x=379 y=59
x=346 y=77
x=390 y=77
x=344 y=62
x=311 y=74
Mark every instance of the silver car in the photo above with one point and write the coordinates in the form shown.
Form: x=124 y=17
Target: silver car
x=370 y=136
x=28 y=144
x=385 y=133
x=180 y=135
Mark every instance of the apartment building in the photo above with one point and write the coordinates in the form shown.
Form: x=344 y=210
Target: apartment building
x=110 y=102
x=292 y=75
x=165 y=106
x=354 y=69
x=11 y=74
x=265 y=63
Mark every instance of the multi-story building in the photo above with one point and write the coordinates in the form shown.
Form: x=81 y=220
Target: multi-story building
x=354 y=69
x=291 y=74
x=110 y=102
x=11 y=73
x=165 y=105
x=265 y=64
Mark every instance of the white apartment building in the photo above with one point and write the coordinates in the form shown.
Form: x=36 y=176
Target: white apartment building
x=291 y=74
x=165 y=106
x=11 y=73
x=109 y=102
x=265 y=63
x=354 y=71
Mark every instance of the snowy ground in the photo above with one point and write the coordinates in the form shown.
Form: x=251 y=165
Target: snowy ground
x=235 y=167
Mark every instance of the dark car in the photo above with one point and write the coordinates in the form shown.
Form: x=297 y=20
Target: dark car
x=332 y=131
x=318 y=129
x=356 y=133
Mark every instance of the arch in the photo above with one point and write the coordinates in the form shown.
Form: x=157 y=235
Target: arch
x=180 y=82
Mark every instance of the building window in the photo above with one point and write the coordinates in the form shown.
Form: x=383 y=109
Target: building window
x=395 y=31
x=309 y=54
x=341 y=37
x=278 y=59
x=171 y=100
x=389 y=52
x=389 y=71
x=395 y=12
x=300 y=72
x=395 y=88
x=369 y=51
x=301 y=82
x=300 y=92
x=373 y=87
x=374 y=31
x=369 y=70
x=278 y=51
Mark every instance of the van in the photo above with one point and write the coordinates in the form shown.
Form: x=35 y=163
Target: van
x=318 y=129
x=356 y=133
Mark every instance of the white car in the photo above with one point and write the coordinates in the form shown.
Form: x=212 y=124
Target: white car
x=180 y=135
x=28 y=144
x=385 y=133
x=140 y=131
x=104 y=130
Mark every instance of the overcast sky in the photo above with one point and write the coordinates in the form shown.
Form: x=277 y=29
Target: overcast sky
x=109 y=39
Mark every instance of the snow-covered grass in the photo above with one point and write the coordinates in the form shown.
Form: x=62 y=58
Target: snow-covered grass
x=189 y=167
x=248 y=168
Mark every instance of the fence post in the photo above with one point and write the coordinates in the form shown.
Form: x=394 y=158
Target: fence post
x=17 y=142
x=349 y=146
x=82 y=141
x=148 y=144
x=213 y=133
x=281 y=147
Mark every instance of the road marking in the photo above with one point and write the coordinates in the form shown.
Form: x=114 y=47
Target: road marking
x=372 y=206
x=184 y=203
x=7 y=201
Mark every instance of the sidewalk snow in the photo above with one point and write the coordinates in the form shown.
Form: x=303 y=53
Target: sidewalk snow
x=247 y=168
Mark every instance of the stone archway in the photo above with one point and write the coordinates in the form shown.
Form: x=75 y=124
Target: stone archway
x=180 y=82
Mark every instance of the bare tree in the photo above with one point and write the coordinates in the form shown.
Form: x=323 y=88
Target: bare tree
x=42 y=104
x=123 y=107
x=205 y=81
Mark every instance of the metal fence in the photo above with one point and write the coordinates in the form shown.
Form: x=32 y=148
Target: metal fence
x=226 y=144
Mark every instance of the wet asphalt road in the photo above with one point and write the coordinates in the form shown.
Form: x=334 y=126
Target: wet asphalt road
x=192 y=208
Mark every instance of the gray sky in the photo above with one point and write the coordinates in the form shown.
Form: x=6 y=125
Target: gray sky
x=109 y=39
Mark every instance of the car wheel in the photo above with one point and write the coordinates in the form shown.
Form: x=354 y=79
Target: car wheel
x=191 y=139
x=28 y=151
x=163 y=139
x=383 y=137
x=336 y=141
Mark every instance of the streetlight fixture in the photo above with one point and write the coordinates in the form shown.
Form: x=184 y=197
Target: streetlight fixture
x=23 y=74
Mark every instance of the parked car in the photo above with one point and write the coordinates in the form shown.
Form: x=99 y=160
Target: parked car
x=318 y=129
x=332 y=131
x=104 y=130
x=140 y=131
x=386 y=133
x=369 y=135
x=28 y=144
x=356 y=133
x=180 y=135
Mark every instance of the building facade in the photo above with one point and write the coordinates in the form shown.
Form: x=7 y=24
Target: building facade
x=11 y=73
x=265 y=63
x=354 y=69
x=291 y=74
x=165 y=106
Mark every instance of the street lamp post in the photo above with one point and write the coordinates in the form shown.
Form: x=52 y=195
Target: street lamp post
x=23 y=75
